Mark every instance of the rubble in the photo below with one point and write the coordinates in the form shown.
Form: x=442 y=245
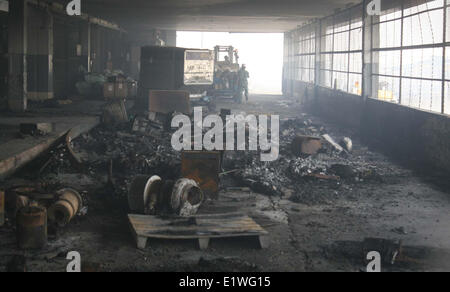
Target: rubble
x=115 y=113
x=17 y=264
x=333 y=143
x=308 y=145
x=331 y=164
x=347 y=143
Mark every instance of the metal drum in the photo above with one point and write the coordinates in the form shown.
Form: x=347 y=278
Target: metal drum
x=66 y=208
x=32 y=227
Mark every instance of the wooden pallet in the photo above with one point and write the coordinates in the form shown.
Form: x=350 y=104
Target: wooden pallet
x=201 y=227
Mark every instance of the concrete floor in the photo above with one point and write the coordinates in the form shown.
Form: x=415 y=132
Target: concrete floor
x=323 y=236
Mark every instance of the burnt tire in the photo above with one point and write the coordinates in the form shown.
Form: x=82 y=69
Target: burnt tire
x=136 y=201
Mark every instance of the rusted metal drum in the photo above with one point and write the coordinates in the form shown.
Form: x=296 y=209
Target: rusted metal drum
x=31 y=227
x=21 y=202
x=186 y=197
x=66 y=208
x=2 y=208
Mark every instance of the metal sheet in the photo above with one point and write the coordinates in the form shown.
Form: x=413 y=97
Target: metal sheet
x=203 y=167
x=198 y=67
x=169 y=101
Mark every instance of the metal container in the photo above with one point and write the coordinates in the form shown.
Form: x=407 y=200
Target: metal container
x=307 y=145
x=2 y=208
x=31 y=227
x=115 y=113
x=21 y=202
x=169 y=101
x=202 y=167
x=66 y=208
x=186 y=197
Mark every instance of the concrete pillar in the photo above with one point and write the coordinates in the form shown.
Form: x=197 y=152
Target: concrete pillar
x=40 y=54
x=318 y=57
x=17 y=50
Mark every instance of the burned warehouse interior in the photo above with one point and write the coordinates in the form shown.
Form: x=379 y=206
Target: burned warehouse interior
x=225 y=136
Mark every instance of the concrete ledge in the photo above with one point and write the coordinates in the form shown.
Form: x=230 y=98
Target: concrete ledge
x=16 y=153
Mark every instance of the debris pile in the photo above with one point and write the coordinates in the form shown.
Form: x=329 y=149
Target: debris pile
x=318 y=157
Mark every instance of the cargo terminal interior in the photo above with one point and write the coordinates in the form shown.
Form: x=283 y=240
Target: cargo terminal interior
x=352 y=98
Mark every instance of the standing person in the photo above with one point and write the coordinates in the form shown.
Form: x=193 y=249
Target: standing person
x=243 y=81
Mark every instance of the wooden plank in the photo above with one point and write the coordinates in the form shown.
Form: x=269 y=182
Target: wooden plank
x=195 y=227
x=198 y=226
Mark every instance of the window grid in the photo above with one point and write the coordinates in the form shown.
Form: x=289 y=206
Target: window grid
x=410 y=67
x=340 y=52
x=305 y=54
x=416 y=84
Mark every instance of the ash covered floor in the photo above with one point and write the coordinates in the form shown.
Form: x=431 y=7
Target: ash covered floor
x=315 y=221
